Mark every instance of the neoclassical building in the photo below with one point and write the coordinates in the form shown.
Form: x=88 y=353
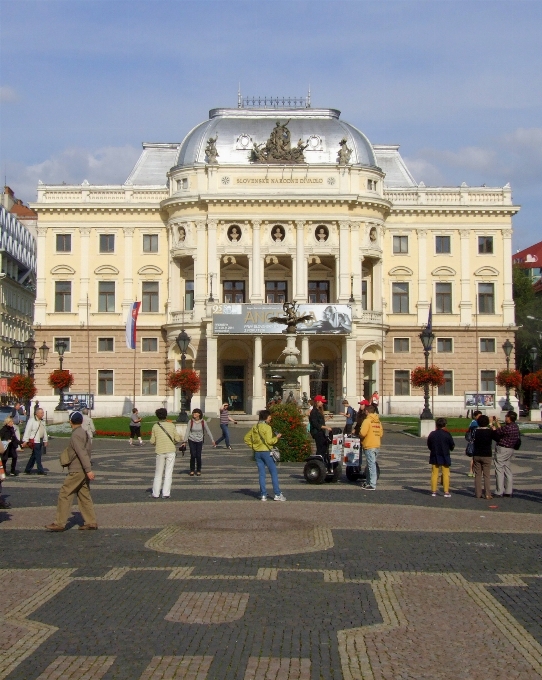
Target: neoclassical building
x=255 y=207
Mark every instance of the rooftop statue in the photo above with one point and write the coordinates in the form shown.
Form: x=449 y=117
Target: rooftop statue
x=211 y=151
x=278 y=148
x=291 y=319
x=343 y=157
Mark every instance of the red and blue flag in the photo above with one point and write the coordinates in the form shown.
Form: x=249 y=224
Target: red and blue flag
x=131 y=323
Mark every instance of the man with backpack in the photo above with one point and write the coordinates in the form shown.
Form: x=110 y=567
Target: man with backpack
x=350 y=415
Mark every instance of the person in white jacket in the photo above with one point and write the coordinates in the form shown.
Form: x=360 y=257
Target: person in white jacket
x=35 y=437
x=88 y=424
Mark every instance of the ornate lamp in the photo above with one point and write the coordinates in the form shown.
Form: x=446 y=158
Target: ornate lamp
x=507 y=347
x=183 y=341
x=534 y=356
x=427 y=337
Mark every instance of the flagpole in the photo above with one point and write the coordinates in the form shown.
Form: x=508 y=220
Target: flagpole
x=88 y=357
x=135 y=352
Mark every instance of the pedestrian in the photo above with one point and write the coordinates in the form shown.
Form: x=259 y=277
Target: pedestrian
x=195 y=435
x=10 y=441
x=319 y=431
x=77 y=480
x=375 y=400
x=88 y=424
x=360 y=417
x=483 y=439
x=4 y=505
x=440 y=442
x=36 y=438
x=135 y=427
x=225 y=420
x=469 y=436
x=350 y=415
x=371 y=433
x=507 y=437
x=164 y=435
x=16 y=412
x=261 y=440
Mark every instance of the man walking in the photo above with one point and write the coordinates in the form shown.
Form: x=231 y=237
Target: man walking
x=77 y=479
x=88 y=424
x=506 y=436
x=225 y=420
x=371 y=433
x=35 y=436
x=350 y=416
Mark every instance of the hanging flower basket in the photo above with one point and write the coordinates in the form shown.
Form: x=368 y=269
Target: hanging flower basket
x=422 y=376
x=61 y=379
x=185 y=378
x=509 y=379
x=22 y=387
x=533 y=381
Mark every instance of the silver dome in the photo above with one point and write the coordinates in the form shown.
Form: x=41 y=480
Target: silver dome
x=238 y=129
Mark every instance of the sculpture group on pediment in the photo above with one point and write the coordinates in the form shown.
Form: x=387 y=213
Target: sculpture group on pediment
x=211 y=151
x=278 y=148
x=345 y=153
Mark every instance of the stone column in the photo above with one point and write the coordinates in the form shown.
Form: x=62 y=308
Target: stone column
x=256 y=295
x=508 y=299
x=301 y=263
x=40 y=305
x=305 y=379
x=84 y=298
x=357 y=267
x=128 y=280
x=350 y=371
x=200 y=270
x=377 y=286
x=212 y=404
x=344 y=262
x=258 y=396
x=423 y=302
x=465 y=305
x=213 y=267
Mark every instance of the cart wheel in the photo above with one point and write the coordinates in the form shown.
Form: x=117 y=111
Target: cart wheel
x=314 y=472
x=351 y=474
x=337 y=472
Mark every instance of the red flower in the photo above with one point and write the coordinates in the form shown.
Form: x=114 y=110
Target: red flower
x=22 y=387
x=61 y=379
x=533 y=381
x=421 y=376
x=510 y=379
x=185 y=378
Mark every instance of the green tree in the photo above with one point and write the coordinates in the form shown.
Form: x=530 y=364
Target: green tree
x=294 y=445
x=528 y=333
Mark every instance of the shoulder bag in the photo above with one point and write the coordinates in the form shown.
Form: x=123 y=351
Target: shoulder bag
x=275 y=453
x=170 y=439
x=65 y=458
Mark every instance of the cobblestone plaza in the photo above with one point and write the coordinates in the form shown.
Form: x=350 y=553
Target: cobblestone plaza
x=212 y=584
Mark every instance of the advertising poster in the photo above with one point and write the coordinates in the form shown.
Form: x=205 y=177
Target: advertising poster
x=480 y=399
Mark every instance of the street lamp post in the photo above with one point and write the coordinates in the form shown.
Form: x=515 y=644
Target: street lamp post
x=535 y=406
x=183 y=340
x=60 y=347
x=427 y=337
x=507 y=347
x=25 y=355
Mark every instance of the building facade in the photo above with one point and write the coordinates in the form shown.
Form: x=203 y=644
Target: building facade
x=213 y=234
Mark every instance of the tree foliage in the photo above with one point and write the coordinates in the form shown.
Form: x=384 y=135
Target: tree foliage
x=294 y=445
x=528 y=333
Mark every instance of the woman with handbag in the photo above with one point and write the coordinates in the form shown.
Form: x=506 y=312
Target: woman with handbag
x=196 y=430
x=482 y=453
x=163 y=435
x=8 y=436
x=261 y=440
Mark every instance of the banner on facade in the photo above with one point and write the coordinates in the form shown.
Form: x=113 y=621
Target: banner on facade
x=480 y=399
x=239 y=319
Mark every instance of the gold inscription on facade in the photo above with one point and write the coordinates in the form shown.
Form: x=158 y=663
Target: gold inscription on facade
x=272 y=180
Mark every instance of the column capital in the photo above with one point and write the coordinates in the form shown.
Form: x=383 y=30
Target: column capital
x=41 y=231
x=200 y=224
x=464 y=234
x=507 y=233
x=128 y=231
x=343 y=224
x=300 y=224
x=212 y=224
x=84 y=231
x=256 y=224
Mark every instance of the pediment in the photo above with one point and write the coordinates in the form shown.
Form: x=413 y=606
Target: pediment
x=277 y=269
x=401 y=271
x=317 y=268
x=486 y=271
x=106 y=269
x=443 y=271
x=62 y=269
x=150 y=270
x=234 y=268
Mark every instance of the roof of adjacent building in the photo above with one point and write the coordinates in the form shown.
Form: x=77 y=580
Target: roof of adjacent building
x=529 y=257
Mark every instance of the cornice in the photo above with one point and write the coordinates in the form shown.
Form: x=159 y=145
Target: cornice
x=245 y=199
x=454 y=210
x=97 y=209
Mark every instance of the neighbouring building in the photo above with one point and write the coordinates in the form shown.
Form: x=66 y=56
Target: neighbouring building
x=214 y=233
x=530 y=260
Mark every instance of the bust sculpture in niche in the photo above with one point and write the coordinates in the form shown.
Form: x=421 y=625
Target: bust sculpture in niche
x=278 y=233
x=372 y=234
x=182 y=234
x=322 y=234
x=234 y=233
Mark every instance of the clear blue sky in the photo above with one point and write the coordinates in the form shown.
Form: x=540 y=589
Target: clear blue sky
x=457 y=84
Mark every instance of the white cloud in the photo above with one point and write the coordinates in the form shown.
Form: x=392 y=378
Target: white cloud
x=108 y=165
x=8 y=94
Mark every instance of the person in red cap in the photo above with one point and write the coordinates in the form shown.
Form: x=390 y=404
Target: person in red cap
x=319 y=430
x=361 y=415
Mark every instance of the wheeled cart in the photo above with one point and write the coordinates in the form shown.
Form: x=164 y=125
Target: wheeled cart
x=317 y=470
x=352 y=458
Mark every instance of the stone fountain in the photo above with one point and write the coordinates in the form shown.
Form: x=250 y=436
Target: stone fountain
x=290 y=369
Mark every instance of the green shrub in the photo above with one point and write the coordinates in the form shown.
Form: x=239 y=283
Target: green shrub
x=294 y=445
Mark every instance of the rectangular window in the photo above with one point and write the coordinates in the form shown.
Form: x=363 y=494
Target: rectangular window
x=276 y=291
x=364 y=294
x=443 y=245
x=486 y=298
x=487 y=381
x=400 y=244
x=149 y=301
x=444 y=345
x=107 y=243
x=402 y=383
x=487 y=344
x=105 y=382
x=447 y=389
x=318 y=292
x=63 y=296
x=485 y=245
x=149 y=344
x=66 y=341
x=443 y=298
x=106 y=345
x=150 y=243
x=399 y=293
x=234 y=292
x=401 y=344
x=106 y=296
x=149 y=382
x=63 y=243
x=189 y=295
